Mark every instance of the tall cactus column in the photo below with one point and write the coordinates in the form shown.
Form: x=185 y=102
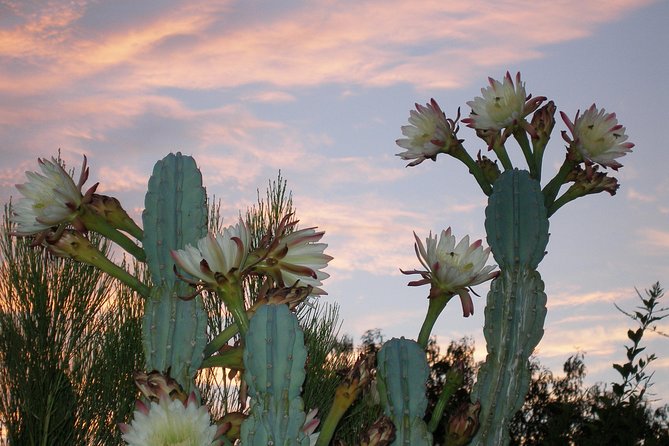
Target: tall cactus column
x=274 y=358
x=175 y=215
x=517 y=228
x=402 y=372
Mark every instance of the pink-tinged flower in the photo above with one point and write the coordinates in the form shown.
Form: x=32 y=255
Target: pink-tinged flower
x=310 y=424
x=294 y=258
x=428 y=134
x=451 y=269
x=597 y=136
x=503 y=104
x=217 y=255
x=50 y=198
x=171 y=423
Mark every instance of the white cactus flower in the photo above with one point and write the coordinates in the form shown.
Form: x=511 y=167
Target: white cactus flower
x=216 y=255
x=598 y=137
x=171 y=423
x=50 y=198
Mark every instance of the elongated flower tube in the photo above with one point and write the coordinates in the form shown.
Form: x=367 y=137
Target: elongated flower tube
x=217 y=257
x=428 y=134
x=501 y=105
x=294 y=258
x=50 y=198
x=171 y=423
x=597 y=136
x=450 y=269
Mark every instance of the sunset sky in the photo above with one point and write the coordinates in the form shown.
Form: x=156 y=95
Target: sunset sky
x=319 y=90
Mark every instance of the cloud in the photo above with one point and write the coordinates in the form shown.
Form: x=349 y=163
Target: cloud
x=634 y=195
x=655 y=239
x=84 y=76
x=205 y=45
x=568 y=298
x=269 y=97
x=123 y=179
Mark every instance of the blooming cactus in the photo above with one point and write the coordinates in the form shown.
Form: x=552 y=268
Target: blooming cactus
x=49 y=199
x=598 y=137
x=451 y=268
x=502 y=105
x=171 y=423
x=428 y=134
x=217 y=255
x=294 y=258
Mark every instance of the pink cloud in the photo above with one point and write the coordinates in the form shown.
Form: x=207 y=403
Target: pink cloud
x=318 y=43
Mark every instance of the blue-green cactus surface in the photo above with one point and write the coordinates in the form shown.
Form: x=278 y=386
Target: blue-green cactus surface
x=174 y=330
x=274 y=360
x=517 y=228
x=402 y=373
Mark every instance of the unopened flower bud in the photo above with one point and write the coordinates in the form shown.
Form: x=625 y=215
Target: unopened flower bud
x=291 y=296
x=489 y=167
x=591 y=181
x=232 y=422
x=381 y=433
x=155 y=385
x=543 y=121
x=71 y=244
x=463 y=424
x=110 y=209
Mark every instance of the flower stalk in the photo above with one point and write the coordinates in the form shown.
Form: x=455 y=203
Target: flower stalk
x=233 y=296
x=434 y=309
x=454 y=380
x=521 y=137
x=461 y=154
x=551 y=190
x=95 y=222
x=73 y=245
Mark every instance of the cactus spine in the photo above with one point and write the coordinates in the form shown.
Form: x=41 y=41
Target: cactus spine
x=174 y=330
x=274 y=358
x=402 y=372
x=517 y=228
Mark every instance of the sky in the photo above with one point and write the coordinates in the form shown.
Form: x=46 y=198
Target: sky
x=319 y=90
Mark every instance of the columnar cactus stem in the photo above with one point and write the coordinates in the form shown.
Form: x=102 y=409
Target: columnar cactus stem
x=274 y=359
x=174 y=330
x=402 y=372
x=517 y=228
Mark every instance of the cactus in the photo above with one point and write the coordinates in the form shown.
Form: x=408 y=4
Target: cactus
x=517 y=228
x=175 y=215
x=402 y=372
x=274 y=357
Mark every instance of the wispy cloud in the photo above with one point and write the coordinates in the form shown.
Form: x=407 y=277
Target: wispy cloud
x=206 y=44
x=655 y=239
x=562 y=298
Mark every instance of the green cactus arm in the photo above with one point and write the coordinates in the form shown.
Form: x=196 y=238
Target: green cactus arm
x=517 y=227
x=175 y=214
x=274 y=359
x=514 y=314
x=516 y=221
x=402 y=373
